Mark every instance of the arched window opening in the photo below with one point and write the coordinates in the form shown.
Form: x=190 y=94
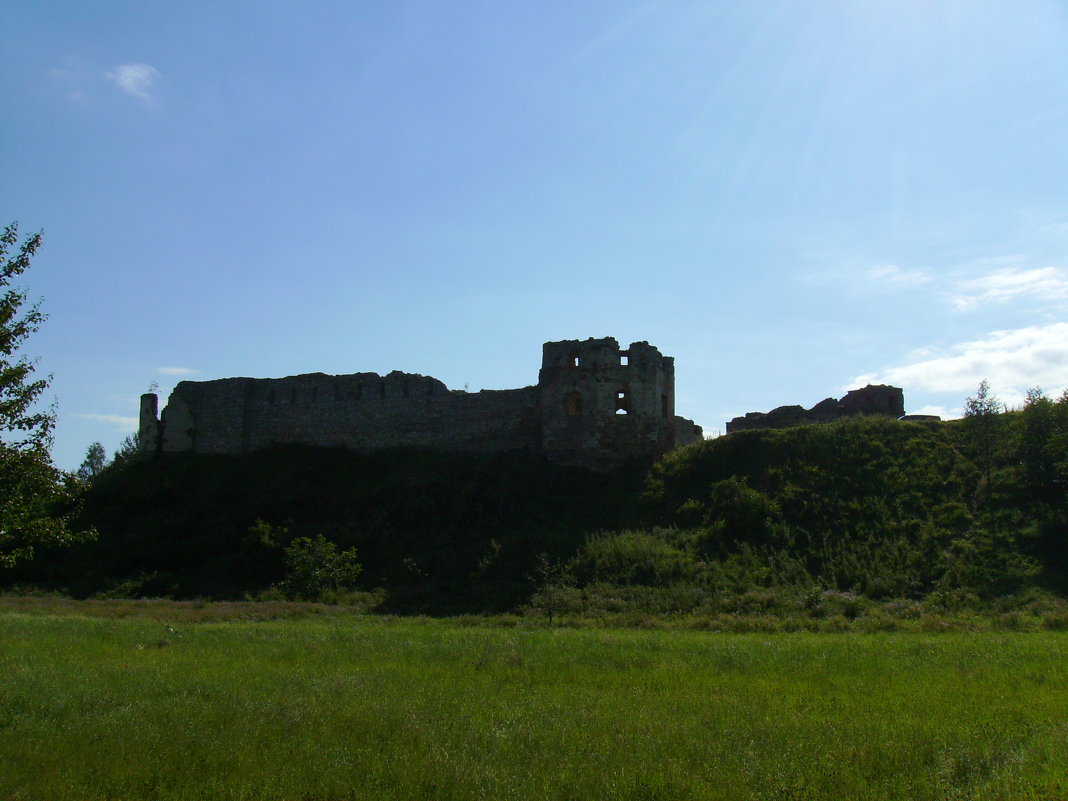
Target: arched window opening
x=573 y=404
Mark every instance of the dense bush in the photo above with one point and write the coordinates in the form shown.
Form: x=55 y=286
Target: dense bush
x=632 y=557
x=315 y=566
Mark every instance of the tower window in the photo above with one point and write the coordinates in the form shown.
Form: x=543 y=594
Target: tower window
x=624 y=360
x=573 y=404
x=621 y=402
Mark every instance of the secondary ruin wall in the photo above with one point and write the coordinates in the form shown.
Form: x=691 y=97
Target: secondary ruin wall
x=879 y=399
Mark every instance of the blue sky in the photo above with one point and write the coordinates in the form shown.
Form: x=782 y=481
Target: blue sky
x=793 y=198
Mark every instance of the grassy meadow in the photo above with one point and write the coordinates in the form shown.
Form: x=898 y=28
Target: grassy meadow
x=169 y=701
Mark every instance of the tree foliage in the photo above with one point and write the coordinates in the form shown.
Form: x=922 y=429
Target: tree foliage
x=314 y=565
x=94 y=462
x=554 y=587
x=129 y=448
x=983 y=427
x=1042 y=445
x=35 y=499
x=23 y=425
x=35 y=505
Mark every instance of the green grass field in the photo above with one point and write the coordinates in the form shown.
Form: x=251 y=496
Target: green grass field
x=170 y=704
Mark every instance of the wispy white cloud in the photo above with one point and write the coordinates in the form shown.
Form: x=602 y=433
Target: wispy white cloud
x=1007 y=284
x=868 y=280
x=120 y=422
x=967 y=287
x=71 y=77
x=1054 y=228
x=135 y=79
x=899 y=277
x=1012 y=361
x=176 y=371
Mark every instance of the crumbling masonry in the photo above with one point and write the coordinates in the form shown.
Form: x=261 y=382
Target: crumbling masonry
x=877 y=399
x=594 y=405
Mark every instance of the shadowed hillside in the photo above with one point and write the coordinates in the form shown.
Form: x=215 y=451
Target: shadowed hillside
x=873 y=507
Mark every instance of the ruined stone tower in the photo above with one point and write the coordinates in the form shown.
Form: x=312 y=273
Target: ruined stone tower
x=601 y=404
x=595 y=405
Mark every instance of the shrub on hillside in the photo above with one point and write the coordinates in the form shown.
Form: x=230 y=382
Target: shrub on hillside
x=632 y=557
x=315 y=566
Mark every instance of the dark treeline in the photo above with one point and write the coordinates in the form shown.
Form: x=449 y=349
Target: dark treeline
x=871 y=508
x=438 y=532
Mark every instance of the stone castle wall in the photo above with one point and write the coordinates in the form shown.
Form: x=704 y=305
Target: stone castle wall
x=594 y=405
x=363 y=411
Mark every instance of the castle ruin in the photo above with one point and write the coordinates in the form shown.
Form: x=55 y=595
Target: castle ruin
x=594 y=405
x=879 y=399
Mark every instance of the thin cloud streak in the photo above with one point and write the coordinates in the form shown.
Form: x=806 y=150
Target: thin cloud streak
x=120 y=422
x=1002 y=286
x=966 y=288
x=176 y=371
x=135 y=79
x=896 y=276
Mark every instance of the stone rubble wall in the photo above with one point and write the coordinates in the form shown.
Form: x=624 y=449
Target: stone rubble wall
x=595 y=405
x=363 y=411
x=879 y=399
